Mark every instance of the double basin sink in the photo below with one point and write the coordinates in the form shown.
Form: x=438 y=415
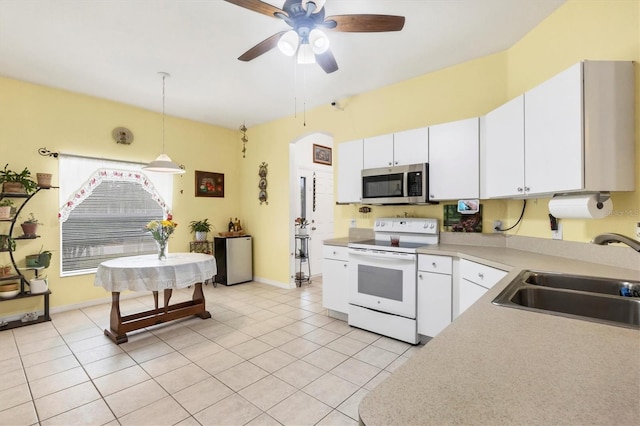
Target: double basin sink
x=603 y=300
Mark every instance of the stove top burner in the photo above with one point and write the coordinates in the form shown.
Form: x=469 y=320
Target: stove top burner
x=403 y=246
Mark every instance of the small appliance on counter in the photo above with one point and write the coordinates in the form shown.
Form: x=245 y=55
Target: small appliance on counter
x=234 y=259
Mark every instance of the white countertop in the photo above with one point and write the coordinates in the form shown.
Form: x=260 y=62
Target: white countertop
x=498 y=365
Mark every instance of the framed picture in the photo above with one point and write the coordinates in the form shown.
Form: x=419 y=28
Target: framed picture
x=209 y=184
x=321 y=154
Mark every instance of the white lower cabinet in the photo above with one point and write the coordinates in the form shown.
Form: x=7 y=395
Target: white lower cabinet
x=434 y=294
x=335 y=264
x=475 y=280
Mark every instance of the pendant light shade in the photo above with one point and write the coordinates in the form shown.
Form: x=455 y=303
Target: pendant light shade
x=163 y=164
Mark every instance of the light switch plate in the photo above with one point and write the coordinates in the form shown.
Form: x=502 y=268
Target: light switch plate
x=557 y=234
x=352 y=223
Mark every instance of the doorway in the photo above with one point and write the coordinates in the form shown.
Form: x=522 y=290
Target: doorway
x=311 y=197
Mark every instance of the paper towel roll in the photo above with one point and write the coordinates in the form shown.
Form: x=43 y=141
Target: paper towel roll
x=580 y=207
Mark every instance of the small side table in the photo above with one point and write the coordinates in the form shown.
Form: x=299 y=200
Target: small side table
x=303 y=273
x=205 y=247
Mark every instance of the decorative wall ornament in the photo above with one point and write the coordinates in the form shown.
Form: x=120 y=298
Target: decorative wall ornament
x=122 y=135
x=262 y=183
x=244 y=139
x=46 y=153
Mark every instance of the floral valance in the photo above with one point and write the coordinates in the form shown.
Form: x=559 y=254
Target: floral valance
x=113 y=175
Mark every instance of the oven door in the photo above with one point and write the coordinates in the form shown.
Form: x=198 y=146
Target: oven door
x=383 y=280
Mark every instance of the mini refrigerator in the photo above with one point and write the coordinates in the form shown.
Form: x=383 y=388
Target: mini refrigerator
x=233 y=259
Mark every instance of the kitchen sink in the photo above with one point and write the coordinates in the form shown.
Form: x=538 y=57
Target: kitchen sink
x=604 y=300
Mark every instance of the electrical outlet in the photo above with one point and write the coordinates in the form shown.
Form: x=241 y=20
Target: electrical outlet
x=557 y=234
x=353 y=223
x=497 y=224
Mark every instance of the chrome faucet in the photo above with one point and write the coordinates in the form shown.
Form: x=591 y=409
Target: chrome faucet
x=604 y=239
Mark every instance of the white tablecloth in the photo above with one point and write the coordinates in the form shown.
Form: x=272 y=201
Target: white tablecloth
x=147 y=273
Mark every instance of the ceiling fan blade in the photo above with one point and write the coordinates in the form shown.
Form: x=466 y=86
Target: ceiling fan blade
x=365 y=23
x=257 y=6
x=327 y=62
x=263 y=47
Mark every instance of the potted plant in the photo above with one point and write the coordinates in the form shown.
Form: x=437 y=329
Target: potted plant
x=302 y=223
x=14 y=182
x=44 y=180
x=5 y=208
x=200 y=228
x=7 y=243
x=42 y=259
x=30 y=226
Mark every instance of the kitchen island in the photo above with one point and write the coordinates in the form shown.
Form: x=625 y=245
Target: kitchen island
x=498 y=365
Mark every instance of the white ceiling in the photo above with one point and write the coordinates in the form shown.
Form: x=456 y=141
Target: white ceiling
x=113 y=49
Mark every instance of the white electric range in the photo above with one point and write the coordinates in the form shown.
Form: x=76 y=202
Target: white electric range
x=383 y=276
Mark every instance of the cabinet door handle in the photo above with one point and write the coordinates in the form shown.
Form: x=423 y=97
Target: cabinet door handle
x=527 y=189
x=420 y=276
x=481 y=275
x=434 y=264
x=519 y=189
x=390 y=163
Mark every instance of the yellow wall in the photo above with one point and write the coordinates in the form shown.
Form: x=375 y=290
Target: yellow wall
x=33 y=116
x=578 y=30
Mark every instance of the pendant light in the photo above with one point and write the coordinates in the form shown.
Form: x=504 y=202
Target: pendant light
x=163 y=164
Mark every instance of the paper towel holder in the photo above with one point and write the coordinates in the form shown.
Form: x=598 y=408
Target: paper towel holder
x=602 y=196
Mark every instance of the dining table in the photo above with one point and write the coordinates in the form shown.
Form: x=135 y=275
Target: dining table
x=148 y=273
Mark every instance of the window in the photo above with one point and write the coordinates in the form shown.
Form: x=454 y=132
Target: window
x=104 y=208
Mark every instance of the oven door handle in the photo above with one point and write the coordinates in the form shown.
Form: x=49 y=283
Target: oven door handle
x=407 y=257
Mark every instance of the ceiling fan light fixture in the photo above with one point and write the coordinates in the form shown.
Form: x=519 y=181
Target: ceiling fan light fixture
x=305 y=54
x=319 y=4
x=288 y=43
x=319 y=41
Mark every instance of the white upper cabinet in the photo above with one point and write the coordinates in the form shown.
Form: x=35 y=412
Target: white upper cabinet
x=553 y=150
x=397 y=149
x=572 y=133
x=502 y=150
x=378 y=151
x=454 y=157
x=411 y=147
x=349 y=172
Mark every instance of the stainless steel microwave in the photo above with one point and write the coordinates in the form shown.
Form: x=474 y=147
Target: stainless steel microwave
x=396 y=185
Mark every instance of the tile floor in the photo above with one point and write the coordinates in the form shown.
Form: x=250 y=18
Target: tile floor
x=268 y=356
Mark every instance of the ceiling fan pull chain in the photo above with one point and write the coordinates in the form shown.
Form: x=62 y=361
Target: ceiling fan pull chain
x=295 y=88
x=304 y=95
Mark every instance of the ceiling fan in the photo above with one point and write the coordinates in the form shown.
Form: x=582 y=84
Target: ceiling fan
x=306 y=38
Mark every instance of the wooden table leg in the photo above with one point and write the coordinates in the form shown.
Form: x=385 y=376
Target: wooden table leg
x=198 y=299
x=167 y=296
x=115 y=322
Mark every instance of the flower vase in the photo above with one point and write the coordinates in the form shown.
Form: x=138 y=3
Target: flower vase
x=162 y=249
x=302 y=231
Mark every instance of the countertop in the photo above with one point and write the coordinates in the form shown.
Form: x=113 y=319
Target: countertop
x=498 y=365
